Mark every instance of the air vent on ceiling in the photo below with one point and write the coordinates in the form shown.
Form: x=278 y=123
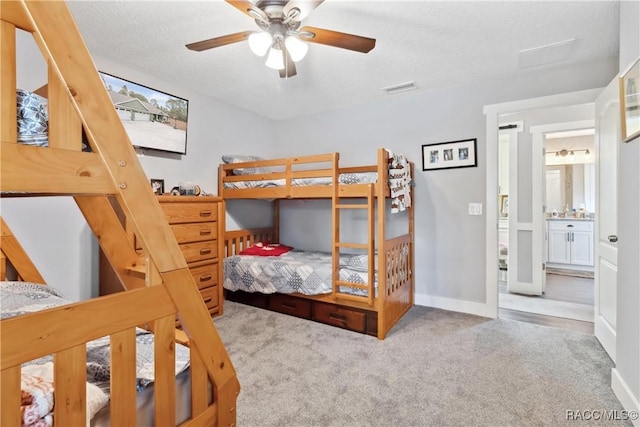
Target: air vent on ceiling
x=402 y=87
x=544 y=55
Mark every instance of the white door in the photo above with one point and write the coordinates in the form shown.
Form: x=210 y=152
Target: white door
x=606 y=266
x=526 y=227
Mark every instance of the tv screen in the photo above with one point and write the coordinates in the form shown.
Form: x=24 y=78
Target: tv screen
x=153 y=119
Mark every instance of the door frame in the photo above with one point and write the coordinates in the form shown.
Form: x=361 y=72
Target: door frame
x=493 y=113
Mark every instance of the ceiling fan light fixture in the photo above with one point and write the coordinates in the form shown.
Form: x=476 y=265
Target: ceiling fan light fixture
x=297 y=48
x=275 y=60
x=259 y=43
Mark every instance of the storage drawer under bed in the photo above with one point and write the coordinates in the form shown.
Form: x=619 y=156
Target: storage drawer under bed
x=289 y=305
x=338 y=316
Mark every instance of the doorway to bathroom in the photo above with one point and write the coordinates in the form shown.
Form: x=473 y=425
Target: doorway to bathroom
x=565 y=296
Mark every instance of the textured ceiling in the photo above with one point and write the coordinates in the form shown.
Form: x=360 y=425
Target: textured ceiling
x=436 y=44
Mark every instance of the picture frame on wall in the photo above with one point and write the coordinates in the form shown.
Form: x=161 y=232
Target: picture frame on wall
x=630 y=102
x=450 y=155
x=157 y=185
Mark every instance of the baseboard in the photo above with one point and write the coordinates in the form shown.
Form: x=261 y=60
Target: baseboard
x=625 y=396
x=451 y=304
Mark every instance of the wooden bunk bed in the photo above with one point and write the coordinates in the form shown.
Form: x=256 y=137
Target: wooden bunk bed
x=159 y=287
x=372 y=306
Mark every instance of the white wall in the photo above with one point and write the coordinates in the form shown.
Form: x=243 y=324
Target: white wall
x=626 y=375
x=450 y=244
x=52 y=229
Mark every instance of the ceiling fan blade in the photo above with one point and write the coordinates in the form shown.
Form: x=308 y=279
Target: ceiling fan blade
x=337 y=39
x=289 y=69
x=304 y=6
x=219 y=41
x=248 y=8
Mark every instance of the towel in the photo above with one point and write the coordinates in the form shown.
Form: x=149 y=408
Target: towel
x=399 y=182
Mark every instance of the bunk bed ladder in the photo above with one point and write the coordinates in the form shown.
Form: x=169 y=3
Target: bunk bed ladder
x=369 y=246
x=111 y=173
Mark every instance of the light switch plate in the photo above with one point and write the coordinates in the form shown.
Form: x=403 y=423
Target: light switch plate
x=475 y=208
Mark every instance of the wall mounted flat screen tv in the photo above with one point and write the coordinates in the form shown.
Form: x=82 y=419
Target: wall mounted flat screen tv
x=153 y=119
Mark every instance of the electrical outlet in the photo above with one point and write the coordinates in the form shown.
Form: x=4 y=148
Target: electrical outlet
x=475 y=208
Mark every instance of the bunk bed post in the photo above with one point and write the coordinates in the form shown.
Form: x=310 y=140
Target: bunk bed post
x=8 y=97
x=383 y=179
x=335 y=220
x=412 y=237
x=276 y=221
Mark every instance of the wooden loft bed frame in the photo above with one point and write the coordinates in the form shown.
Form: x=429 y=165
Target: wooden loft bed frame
x=373 y=315
x=110 y=173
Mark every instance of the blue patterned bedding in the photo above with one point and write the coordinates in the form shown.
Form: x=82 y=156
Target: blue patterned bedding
x=304 y=272
x=345 y=178
x=18 y=298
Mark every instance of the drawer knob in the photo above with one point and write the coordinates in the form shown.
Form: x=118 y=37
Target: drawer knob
x=205 y=251
x=612 y=238
x=205 y=213
x=205 y=232
x=570 y=225
x=205 y=278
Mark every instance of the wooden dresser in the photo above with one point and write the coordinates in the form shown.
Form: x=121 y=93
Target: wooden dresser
x=196 y=223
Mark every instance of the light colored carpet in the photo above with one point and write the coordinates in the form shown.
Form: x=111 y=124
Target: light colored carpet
x=436 y=368
x=533 y=304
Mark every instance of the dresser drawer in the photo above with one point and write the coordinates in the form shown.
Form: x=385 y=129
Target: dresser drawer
x=181 y=212
x=288 y=305
x=210 y=298
x=195 y=232
x=199 y=251
x=338 y=316
x=206 y=275
x=570 y=225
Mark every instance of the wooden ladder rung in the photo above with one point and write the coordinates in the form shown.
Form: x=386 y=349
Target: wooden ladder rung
x=352 y=284
x=137 y=271
x=352 y=245
x=352 y=206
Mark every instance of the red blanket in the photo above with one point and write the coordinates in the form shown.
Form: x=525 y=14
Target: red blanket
x=266 y=249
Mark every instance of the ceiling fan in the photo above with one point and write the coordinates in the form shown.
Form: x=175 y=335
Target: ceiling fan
x=281 y=36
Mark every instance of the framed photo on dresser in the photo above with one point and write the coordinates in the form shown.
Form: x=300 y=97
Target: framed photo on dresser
x=157 y=185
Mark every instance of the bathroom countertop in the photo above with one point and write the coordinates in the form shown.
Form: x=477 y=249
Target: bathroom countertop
x=558 y=218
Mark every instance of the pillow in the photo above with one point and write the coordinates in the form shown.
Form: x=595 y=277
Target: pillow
x=32 y=118
x=266 y=249
x=239 y=158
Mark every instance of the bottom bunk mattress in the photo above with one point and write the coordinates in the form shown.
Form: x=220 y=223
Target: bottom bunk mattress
x=18 y=298
x=304 y=272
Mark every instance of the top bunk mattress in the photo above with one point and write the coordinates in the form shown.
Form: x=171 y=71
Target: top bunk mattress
x=344 y=178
